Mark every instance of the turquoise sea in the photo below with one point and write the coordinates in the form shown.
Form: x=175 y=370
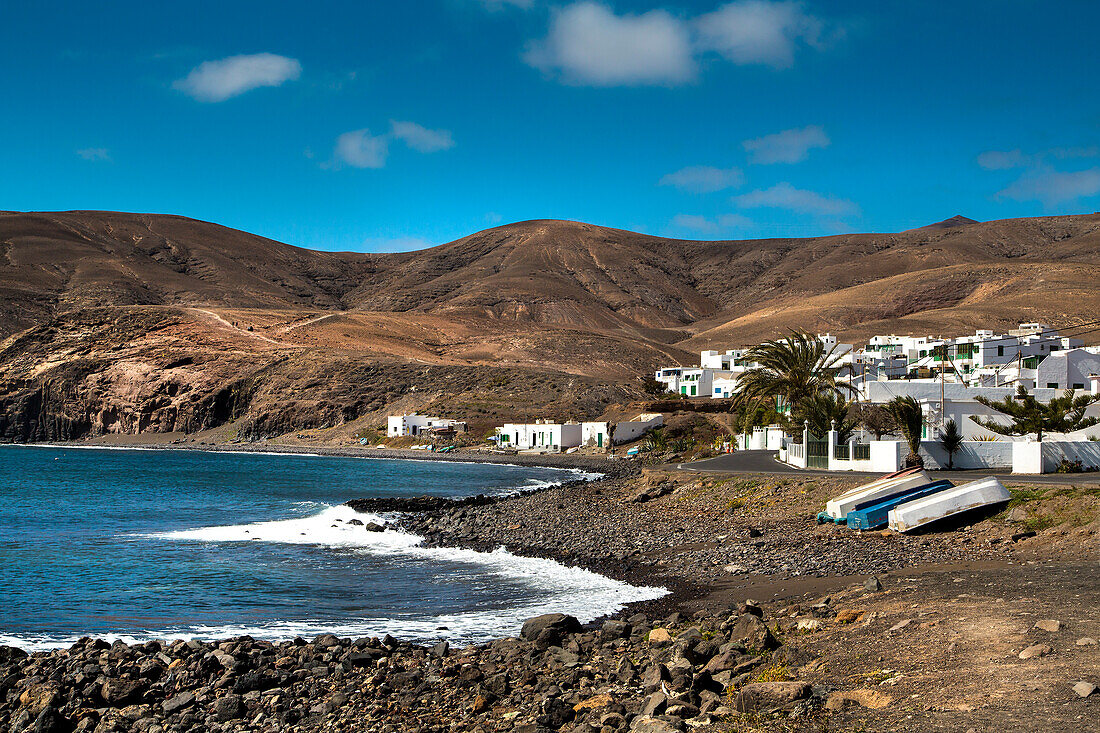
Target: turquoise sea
x=138 y=544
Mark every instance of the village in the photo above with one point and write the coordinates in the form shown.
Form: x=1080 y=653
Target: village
x=1025 y=401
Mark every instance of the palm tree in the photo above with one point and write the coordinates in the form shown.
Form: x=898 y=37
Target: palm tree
x=909 y=417
x=792 y=369
x=825 y=410
x=1064 y=414
x=951 y=439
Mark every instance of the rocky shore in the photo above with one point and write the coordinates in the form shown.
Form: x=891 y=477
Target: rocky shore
x=634 y=674
x=773 y=623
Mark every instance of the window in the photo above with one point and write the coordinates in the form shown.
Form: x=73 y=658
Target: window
x=1078 y=385
x=1052 y=385
x=1000 y=351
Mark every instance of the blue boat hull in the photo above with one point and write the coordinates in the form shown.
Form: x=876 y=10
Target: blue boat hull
x=877 y=514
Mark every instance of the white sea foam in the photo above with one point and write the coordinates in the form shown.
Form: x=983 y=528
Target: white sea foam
x=559 y=588
x=329 y=528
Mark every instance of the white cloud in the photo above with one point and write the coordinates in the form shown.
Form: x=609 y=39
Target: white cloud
x=704 y=178
x=759 y=32
x=589 y=44
x=360 y=149
x=694 y=221
x=999 y=160
x=703 y=224
x=786 y=196
x=789 y=146
x=216 y=81
x=422 y=139
x=1089 y=151
x=94 y=153
x=1053 y=187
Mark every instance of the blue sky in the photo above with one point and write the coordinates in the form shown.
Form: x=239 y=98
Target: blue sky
x=385 y=126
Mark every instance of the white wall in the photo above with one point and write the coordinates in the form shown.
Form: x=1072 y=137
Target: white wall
x=971 y=454
x=629 y=430
x=888 y=455
x=591 y=433
x=1054 y=451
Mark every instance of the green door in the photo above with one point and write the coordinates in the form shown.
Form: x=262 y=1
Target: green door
x=599 y=440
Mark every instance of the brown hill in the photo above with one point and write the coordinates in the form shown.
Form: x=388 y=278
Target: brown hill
x=99 y=306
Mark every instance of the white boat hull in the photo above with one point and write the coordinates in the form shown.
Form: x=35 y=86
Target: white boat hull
x=839 y=507
x=915 y=514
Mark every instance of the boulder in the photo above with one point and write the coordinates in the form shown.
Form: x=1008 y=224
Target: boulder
x=119 y=692
x=1084 y=688
x=1036 y=650
x=178 y=702
x=37 y=698
x=559 y=623
x=597 y=702
x=228 y=707
x=872 y=585
x=1086 y=641
x=760 y=696
x=753 y=633
x=654 y=704
x=613 y=629
x=1049 y=625
x=649 y=724
x=659 y=637
x=722 y=662
x=374 y=527
x=556 y=712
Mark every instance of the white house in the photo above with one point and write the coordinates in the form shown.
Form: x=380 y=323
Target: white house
x=687 y=381
x=404 y=425
x=954 y=401
x=541 y=434
x=636 y=427
x=1068 y=370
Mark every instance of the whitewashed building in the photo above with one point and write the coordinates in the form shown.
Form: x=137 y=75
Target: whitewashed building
x=1076 y=369
x=541 y=434
x=413 y=425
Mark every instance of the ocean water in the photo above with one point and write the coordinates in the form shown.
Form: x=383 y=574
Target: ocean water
x=138 y=544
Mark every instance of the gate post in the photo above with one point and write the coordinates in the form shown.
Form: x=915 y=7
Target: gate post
x=832 y=443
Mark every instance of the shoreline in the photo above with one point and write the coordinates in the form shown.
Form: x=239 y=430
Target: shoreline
x=914 y=647
x=619 y=467
x=595 y=470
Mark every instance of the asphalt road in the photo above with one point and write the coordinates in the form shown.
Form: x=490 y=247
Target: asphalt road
x=764 y=461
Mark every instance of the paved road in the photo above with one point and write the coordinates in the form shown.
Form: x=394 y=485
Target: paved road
x=763 y=461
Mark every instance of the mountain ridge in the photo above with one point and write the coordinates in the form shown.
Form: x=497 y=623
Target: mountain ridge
x=113 y=322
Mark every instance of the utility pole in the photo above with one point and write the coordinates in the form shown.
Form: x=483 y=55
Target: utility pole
x=943 y=389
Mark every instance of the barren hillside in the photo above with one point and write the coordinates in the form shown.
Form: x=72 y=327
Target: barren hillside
x=134 y=322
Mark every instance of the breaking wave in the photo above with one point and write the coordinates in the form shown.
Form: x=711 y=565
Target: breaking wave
x=559 y=588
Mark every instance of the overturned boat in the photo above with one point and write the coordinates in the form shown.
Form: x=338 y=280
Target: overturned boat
x=969 y=497
x=836 y=510
x=876 y=513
